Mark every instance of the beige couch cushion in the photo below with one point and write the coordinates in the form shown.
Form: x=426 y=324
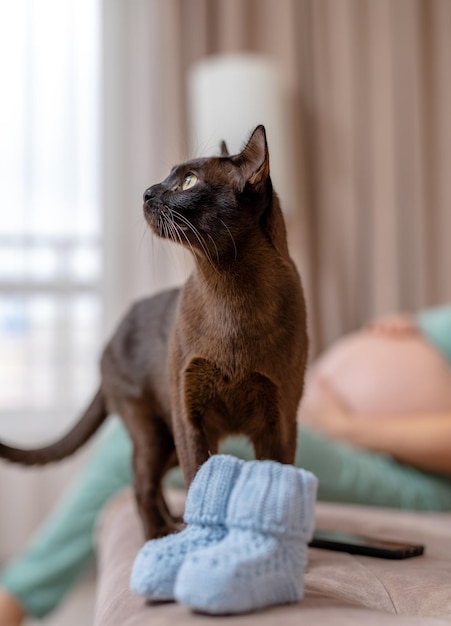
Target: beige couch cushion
x=340 y=589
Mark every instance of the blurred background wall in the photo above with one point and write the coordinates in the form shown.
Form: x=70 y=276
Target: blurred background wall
x=368 y=86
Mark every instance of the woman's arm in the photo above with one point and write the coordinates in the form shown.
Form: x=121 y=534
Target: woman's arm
x=423 y=440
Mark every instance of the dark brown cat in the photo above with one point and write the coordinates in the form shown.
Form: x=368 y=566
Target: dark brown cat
x=225 y=354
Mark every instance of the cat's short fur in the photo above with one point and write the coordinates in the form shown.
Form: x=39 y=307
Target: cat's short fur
x=225 y=354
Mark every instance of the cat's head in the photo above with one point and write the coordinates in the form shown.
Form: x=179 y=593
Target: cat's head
x=213 y=205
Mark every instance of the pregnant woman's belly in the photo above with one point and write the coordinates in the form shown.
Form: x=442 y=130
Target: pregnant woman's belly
x=383 y=375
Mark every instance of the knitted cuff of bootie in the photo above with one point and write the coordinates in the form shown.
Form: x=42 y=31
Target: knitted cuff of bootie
x=156 y=565
x=261 y=560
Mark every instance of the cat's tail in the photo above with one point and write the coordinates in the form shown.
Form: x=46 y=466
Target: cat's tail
x=88 y=424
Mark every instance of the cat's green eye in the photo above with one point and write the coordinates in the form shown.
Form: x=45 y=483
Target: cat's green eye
x=190 y=181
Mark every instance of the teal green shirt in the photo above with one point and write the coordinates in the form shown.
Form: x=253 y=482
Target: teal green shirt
x=435 y=324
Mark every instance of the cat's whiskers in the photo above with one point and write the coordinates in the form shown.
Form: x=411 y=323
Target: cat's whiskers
x=168 y=231
x=231 y=237
x=215 y=246
x=196 y=233
x=164 y=228
x=173 y=233
x=178 y=232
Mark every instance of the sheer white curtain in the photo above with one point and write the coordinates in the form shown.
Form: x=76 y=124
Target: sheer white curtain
x=50 y=218
x=50 y=238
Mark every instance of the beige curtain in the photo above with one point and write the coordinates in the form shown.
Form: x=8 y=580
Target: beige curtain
x=370 y=97
x=370 y=90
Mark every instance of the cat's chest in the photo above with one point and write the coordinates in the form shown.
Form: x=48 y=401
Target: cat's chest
x=236 y=347
x=227 y=403
x=240 y=334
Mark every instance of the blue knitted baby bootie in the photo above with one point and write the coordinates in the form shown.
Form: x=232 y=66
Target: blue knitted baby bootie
x=156 y=566
x=261 y=560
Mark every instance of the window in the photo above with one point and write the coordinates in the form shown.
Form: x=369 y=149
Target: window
x=50 y=218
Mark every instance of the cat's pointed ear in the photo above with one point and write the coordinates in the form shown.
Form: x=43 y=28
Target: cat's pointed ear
x=224 y=150
x=253 y=160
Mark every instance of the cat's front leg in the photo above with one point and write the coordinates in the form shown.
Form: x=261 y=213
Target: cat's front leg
x=193 y=435
x=191 y=445
x=272 y=426
x=277 y=442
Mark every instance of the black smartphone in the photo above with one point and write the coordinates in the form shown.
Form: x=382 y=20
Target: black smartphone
x=368 y=546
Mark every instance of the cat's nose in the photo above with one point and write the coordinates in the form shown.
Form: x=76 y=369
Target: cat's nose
x=149 y=194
